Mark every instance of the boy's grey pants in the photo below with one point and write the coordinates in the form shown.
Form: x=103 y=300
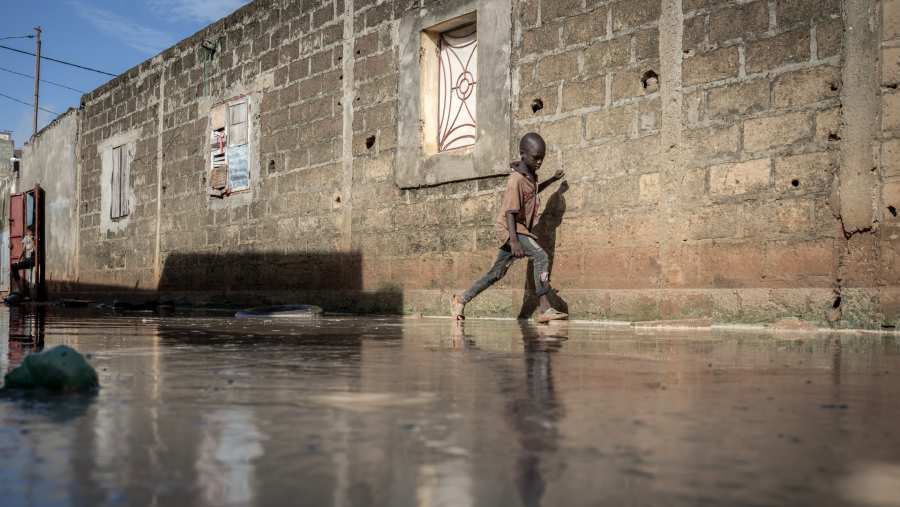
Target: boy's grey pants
x=505 y=259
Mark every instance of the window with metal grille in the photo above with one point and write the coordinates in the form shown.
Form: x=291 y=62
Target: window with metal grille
x=120 y=183
x=457 y=80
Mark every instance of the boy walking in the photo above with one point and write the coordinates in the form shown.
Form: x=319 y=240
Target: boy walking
x=513 y=227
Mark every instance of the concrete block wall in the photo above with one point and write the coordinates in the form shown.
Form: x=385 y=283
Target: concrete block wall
x=704 y=141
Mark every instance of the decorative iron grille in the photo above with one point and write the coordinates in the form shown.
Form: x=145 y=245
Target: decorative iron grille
x=457 y=77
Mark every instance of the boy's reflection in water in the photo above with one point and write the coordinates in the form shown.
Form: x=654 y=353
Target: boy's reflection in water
x=533 y=410
x=26 y=333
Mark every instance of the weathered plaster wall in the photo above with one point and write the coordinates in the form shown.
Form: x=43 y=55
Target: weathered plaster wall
x=705 y=143
x=49 y=159
x=7 y=147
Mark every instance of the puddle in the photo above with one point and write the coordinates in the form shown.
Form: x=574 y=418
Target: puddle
x=213 y=410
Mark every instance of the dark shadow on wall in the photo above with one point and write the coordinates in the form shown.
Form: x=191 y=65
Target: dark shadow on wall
x=545 y=230
x=332 y=280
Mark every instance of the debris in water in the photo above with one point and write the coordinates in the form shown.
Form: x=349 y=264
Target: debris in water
x=61 y=368
x=281 y=311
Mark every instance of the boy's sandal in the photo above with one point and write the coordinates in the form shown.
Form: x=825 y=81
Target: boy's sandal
x=552 y=314
x=457 y=308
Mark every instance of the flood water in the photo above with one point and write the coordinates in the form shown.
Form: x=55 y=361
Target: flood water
x=210 y=410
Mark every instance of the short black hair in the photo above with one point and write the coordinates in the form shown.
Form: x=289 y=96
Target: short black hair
x=532 y=139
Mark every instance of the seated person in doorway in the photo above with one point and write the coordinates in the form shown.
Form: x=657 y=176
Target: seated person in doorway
x=25 y=261
x=513 y=227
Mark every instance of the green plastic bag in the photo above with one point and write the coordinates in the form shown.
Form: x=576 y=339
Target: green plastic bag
x=61 y=368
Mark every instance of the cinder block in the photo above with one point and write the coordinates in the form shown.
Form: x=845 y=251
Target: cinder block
x=617 y=121
x=828 y=125
x=558 y=67
x=627 y=83
x=890 y=111
x=806 y=86
x=712 y=66
x=546 y=98
x=890 y=198
x=562 y=132
x=829 y=37
x=797 y=263
x=646 y=45
x=789 y=47
x=739 y=98
x=649 y=187
x=791 y=12
x=739 y=178
x=551 y=9
x=890 y=23
x=859 y=264
x=711 y=143
x=694 y=34
x=795 y=217
x=738 y=21
x=810 y=172
x=588 y=93
x=541 y=39
x=635 y=228
x=527 y=80
x=605 y=55
x=628 y=14
x=719 y=221
x=890 y=66
x=890 y=158
x=773 y=131
x=649 y=115
x=584 y=27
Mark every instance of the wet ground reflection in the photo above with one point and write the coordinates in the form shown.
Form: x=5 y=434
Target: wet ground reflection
x=209 y=410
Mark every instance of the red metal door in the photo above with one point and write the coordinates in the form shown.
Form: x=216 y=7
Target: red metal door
x=16 y=225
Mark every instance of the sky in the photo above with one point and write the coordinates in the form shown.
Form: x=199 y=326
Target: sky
x=108 y=35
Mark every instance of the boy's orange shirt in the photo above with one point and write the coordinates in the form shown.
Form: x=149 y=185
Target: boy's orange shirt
x=521 y=196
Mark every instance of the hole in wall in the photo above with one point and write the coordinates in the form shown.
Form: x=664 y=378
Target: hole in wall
x=837 y=302
x=341 y=77
x=650 y=79
x=370 y=141
x=357 y=51
x=271 y=166
x=834 y=137
x=893 y=211
x=795 y=183
x=537 y=105
x=834 y=87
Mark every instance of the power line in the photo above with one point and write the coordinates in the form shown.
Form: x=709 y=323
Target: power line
x=18 y=37
x=59 y=61
x=43 y=80
x=27 y=103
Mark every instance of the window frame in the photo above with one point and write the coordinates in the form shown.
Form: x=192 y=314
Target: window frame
x=228 y=125
x=120 y=179
x=418 y=162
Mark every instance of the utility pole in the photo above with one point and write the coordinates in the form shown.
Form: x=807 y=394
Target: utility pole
x=37 y=79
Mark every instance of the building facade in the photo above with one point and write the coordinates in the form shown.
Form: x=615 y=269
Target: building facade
x=736 y=160
x=49 y=159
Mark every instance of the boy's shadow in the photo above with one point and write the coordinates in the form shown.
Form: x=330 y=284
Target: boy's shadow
x=545 y=230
